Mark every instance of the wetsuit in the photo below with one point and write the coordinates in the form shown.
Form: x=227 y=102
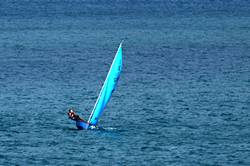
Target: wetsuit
x=76 y=117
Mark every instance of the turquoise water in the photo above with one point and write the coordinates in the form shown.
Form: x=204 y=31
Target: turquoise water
x=183 y=96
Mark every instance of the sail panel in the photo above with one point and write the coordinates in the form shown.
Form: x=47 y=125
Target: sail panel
x=108 y=87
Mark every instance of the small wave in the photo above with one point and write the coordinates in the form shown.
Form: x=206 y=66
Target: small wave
x=109 y=128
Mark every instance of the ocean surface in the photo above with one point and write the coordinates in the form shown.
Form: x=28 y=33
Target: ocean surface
x=183 y=97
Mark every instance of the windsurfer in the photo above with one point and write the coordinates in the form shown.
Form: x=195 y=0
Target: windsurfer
x=72 y=115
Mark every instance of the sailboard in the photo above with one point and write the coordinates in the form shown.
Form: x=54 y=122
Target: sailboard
x=105 y=94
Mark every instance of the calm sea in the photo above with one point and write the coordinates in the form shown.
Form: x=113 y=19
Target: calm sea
x=183 y=97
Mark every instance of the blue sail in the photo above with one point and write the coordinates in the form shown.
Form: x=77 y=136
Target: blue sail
x=107 y=88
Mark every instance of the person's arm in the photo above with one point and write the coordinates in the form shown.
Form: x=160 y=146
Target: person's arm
x=77 y=117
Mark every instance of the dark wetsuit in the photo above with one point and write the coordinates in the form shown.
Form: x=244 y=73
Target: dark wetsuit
x=76 y=117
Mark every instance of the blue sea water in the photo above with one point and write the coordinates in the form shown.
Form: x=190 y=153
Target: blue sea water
x=183 y=97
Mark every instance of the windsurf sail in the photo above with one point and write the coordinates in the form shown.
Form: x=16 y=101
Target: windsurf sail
x=107 y=88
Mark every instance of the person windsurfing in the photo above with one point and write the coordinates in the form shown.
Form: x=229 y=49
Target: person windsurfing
x=80 y=121
x=73 y=116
